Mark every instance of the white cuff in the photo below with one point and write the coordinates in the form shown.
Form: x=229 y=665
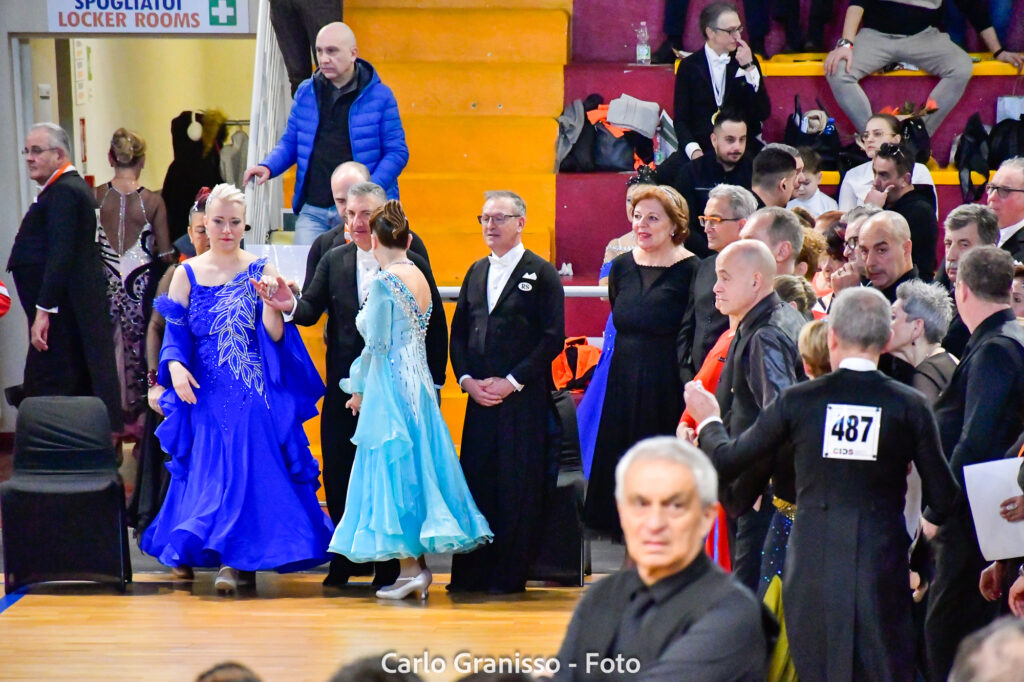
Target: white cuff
x=463 y=378
x=53 y=311
x=515 y=384
x=752 y=75
x=709 y=420
x=690 y=148
x=291 y=313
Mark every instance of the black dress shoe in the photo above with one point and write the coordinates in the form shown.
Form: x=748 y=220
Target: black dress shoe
x=336 y=579
x=386 y=573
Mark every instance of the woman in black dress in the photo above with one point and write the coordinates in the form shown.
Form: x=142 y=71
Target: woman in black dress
x=649 y=289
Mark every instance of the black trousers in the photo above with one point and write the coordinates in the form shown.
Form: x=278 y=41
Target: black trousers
x=337 y=425
x=955 y=605
x=296 y=23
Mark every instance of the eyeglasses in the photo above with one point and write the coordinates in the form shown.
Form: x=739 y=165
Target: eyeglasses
x=713 y=220
x=36 y=151
x=499 y=219
x=1003 y=192
x=873 y=135
x=891 y=151
x=735 y=32
x=850 y=243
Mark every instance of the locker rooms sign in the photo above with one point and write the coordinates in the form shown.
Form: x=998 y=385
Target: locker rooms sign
x=148 y=16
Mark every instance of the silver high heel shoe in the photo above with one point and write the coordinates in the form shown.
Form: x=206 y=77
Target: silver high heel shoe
x=403 y=587
x=226 y=580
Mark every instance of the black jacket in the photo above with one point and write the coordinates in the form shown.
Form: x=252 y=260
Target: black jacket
x=918 y=207
x=849 y=528
x=333 y=290
x=981 y=412
x=336 y=237
x=695 y=100
x=695 y=180
x=1015 y=245
x=702 y=324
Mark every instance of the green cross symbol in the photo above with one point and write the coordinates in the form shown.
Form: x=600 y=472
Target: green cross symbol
x=223 y=13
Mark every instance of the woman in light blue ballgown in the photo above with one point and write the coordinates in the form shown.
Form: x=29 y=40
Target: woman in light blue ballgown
x=242 y=494
x=407 y=495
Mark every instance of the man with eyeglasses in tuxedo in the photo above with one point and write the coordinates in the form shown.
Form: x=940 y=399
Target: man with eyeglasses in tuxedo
x=723 y=74
x=893 y=190
x=1006 y=199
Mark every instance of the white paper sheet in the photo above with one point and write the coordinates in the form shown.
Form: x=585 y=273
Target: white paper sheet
x=988 y=484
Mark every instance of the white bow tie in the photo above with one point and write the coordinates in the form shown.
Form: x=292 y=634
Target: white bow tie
x=496 y=262
x=722 y=59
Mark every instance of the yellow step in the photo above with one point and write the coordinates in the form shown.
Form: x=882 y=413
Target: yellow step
x=446 y=201
x=564 y=5
x=451 y=88
x=470 y=144
x=814 y=65
x=941 y=176
x=461 y=35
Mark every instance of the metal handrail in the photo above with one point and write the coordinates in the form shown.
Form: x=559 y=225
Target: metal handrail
x=575 y=291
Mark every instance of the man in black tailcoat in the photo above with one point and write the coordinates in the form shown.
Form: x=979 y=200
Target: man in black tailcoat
x=508 y=327
x=980 y=415
x=59 y=277
x=339 y=286
x=847 y=439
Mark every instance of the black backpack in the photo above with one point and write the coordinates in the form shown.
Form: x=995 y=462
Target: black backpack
x=1005 y=141
x=915 y=136
x=825 y=143
x=972 y=154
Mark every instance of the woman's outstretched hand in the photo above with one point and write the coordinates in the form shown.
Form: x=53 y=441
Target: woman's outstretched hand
x=275 y=292
x=183 y=382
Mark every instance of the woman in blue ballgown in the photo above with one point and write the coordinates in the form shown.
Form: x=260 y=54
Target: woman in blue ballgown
x=243 y=484
x=407 y=495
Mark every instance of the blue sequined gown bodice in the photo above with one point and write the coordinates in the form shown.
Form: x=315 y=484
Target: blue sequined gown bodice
x=407 y=495
x=243 y=481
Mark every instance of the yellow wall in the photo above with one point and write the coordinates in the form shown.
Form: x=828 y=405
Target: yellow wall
x=142 y=84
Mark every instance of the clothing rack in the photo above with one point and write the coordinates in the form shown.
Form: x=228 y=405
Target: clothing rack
x=237 y=122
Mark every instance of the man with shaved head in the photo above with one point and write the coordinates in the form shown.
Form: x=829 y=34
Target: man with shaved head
x=343 y=113
x=762 y=360
x=885 y=249
x=779 y=230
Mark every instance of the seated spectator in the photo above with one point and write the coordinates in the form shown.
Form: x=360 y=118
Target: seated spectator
x=852 y=273
x=805 y=218
x=774 y=177
x=993 y=654
x=676 y=612
x=694 y=180
x=894 y=191
x=808 y=194
x=885 y=247
x=797 y=292
x=1000 y=11
x=920 y=318
x=725 y=73
x=905 y=31
x=813 y=345
x=827 y=220
x=858 y=181
x=1006 y=198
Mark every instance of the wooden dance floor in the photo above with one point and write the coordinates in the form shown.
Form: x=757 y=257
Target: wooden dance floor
x=289 y=628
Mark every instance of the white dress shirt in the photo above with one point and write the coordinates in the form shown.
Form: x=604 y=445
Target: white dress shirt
x=818 y=203
x=500 y=271
x=858 y=364
x=717 y=64
x=498 y=274
x=1007 y=232
x=367 y=268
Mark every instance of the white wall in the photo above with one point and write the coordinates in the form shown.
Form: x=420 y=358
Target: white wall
x=176 y=89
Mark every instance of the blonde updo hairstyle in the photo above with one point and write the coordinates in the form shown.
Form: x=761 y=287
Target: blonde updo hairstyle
x=226 y=193
x=390 y=225
x=127 y=148
x=673 y=204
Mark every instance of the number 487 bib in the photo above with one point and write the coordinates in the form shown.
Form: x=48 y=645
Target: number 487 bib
x=851 y=432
